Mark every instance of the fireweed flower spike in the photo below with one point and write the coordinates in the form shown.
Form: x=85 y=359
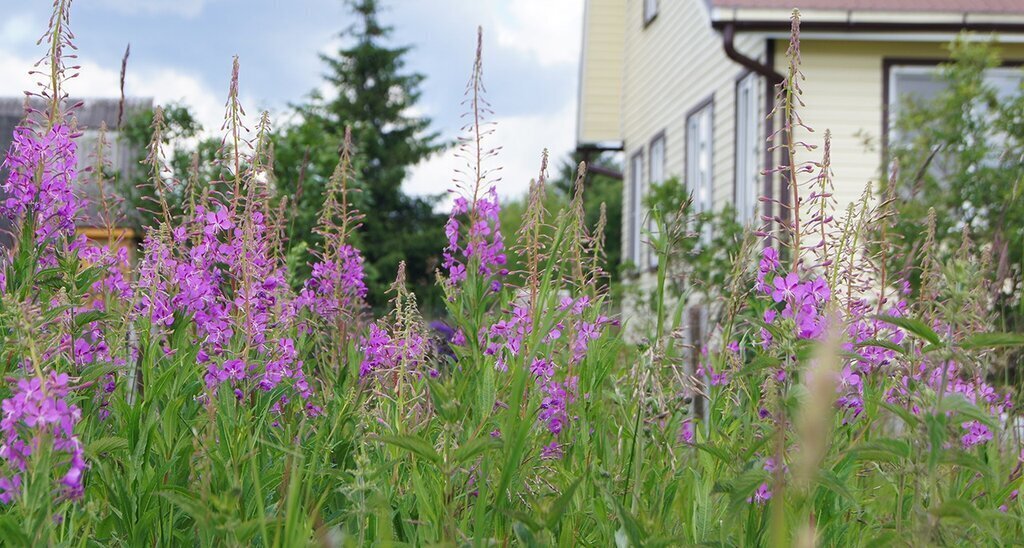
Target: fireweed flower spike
x=482 y=246
x=49 y=199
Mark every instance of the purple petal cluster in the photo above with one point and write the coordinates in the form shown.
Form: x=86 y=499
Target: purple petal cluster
x=567 y=342
x=41 y=171
x=334 y=286
x=504 y=339
x=114 y=265
x=484 y=246
x=384 y=352
x=38 y=412
x=223 y=276
x=803 y=302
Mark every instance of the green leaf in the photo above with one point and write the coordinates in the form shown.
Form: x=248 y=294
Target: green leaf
x=562 y=503
x=936 y=426
x=966 y=460
x=443 y=400
x=11 y=532
x=86 y=318
x=187 y=502
x=110 y=444
x=955 y=403
x=760 y=361
x=417 y=446
x=957 y=508
x=909 y=418
x=882 y=343
x=884 y=449
x=475 y=447
x=829 y=480
x=913 y=325
x=716 y=452
x=524 y=535
x=634 y=532
x=523 y=517
x=992 y=340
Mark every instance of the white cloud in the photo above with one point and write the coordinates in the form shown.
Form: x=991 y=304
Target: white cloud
x=549 y=32
x=522 y=140
x=184 y=8
x=18 y=29
x=162 y=84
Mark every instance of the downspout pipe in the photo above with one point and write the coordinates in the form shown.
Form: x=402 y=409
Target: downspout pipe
x=773 y=79
x=728 y=38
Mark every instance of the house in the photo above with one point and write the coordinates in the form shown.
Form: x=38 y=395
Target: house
x=121 y=157
x=683 y=87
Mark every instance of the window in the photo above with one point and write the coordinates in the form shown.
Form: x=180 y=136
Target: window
x=650 y=11
x=747 y=145
x=634 y=215
x=925 y=82
x=698 y=160
x=655 y=175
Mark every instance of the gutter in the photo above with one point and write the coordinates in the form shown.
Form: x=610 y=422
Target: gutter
x=767 y=25
x=772 y=79
x=855 y=21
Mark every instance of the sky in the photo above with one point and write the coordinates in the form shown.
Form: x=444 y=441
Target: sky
x=181 y=51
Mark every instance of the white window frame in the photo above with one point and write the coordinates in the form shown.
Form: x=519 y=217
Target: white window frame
x=650 y=10
x=634 y=214
x=699 y=160
x=656 y=174
x=748 y=144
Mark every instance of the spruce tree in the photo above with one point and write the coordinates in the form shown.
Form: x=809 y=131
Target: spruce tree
x=371 y=91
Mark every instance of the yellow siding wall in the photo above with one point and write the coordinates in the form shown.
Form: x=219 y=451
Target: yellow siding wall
x=843 y=93
x=601 y=72
x=671 y=66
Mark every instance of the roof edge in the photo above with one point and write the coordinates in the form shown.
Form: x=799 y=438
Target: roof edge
x=747 y=19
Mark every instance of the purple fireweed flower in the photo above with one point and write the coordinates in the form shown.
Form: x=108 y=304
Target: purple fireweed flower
x=551 y=451
x=761 y=496
x=542 y=368
x=785 y=287
x=687 y=432
x=977 y=433
x=114 y=265
x=459 y=338
x=222 y=275
x=849 y=379
x=554 y=405
x=769 y=259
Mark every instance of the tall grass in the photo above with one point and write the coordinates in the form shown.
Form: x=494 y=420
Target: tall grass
x=201 y=401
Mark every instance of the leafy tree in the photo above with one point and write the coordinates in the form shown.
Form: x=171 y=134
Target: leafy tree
x=371 y=92
x=960 y=153
x=600 y=187
x=179 y=126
